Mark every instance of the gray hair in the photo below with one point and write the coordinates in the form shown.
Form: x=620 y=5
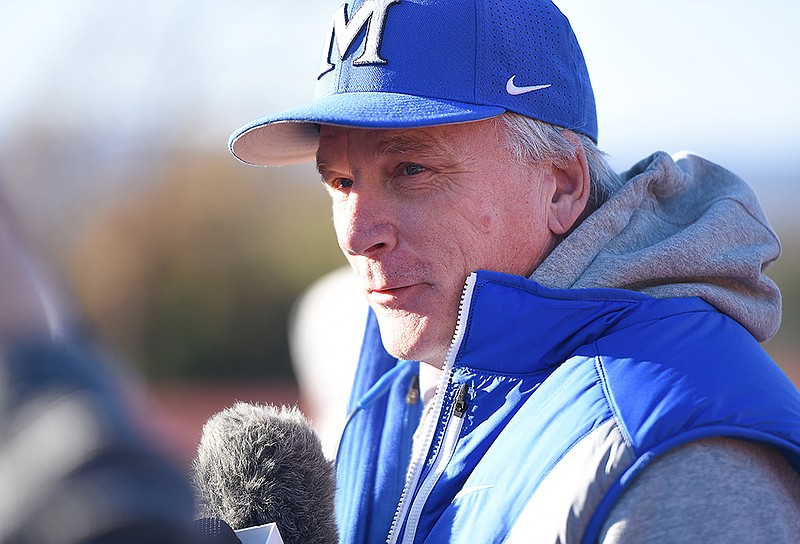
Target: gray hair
x=531 y=140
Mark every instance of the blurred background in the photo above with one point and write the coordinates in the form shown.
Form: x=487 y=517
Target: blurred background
x=114 y=120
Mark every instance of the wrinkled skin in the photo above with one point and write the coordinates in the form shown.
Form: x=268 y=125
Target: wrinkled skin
x=417 y=210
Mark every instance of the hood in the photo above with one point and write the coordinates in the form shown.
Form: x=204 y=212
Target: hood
x=680 y=226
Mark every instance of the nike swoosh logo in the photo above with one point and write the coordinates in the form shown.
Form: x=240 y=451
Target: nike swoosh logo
x=512 y=89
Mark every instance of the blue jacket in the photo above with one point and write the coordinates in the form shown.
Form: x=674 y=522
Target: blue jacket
x=552 y=401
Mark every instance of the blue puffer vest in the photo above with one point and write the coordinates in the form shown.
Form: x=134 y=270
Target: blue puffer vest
x=551 y=402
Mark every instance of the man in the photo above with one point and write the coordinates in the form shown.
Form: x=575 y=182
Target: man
x=585 y=345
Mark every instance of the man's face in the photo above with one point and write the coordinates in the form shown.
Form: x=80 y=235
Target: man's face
x=417 y=210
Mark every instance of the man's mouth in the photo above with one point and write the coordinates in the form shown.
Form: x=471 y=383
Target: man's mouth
x=388 y=290
x=392 y=296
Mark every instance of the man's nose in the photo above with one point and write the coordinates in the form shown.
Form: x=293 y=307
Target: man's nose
x=365 y=226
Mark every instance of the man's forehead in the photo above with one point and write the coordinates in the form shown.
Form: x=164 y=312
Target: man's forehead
x=385 y=140
x=440 y=139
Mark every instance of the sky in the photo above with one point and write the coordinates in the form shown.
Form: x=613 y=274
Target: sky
x=717 y=77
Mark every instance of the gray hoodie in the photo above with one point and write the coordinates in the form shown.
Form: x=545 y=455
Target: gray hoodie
x=680 y=226
x=683 y=226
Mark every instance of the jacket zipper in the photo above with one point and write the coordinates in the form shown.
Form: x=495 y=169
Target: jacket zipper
x=405 y=507
x=442 y=459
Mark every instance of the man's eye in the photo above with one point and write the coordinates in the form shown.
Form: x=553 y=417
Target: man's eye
x=412 y=169
x=341 y=183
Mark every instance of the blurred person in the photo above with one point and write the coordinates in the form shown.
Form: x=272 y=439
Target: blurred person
x=324 y=357
x=77 y=463
x=574 y=354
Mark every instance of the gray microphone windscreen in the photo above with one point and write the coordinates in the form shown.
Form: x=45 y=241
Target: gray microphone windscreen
x=261 y=464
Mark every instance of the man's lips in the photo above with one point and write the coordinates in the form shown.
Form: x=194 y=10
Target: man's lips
x=392 y=295
x=388 y=288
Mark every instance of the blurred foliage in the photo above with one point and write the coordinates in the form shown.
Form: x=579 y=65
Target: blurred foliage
x=194 y=274
x=785 y=346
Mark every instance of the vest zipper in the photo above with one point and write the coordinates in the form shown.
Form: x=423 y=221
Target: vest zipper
x=453 y=428
x=462 y=401
x=442 y=459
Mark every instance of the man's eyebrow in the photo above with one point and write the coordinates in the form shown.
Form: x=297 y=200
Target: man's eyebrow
x=422 y=145
x=405 y=142
x=323 y=166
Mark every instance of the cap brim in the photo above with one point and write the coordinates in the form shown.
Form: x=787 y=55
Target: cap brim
x=292 y=136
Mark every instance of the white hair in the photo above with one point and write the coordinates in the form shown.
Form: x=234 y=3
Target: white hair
x=530 y=140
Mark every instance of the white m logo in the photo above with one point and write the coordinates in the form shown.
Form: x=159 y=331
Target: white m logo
x=372 y=13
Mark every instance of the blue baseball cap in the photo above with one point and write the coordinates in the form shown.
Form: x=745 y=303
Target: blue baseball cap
x=417 y=63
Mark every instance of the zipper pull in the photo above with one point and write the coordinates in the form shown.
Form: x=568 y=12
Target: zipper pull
x=412 y=397
x=462 y=401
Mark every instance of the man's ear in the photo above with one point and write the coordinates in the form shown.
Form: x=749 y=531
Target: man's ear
x=571 y=192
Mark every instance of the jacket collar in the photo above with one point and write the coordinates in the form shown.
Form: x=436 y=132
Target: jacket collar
x=510 y=324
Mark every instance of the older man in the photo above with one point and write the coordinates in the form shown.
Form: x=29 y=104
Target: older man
x=585 y=348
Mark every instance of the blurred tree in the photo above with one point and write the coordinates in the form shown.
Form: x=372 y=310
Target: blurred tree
x=194 y=274
x=785 y=346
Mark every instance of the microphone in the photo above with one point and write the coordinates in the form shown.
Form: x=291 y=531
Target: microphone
x=214 y=531
x=262 y=464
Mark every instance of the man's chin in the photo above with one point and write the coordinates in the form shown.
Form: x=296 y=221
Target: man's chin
x=413 y=347
x=402 y=349
x=411 y=340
